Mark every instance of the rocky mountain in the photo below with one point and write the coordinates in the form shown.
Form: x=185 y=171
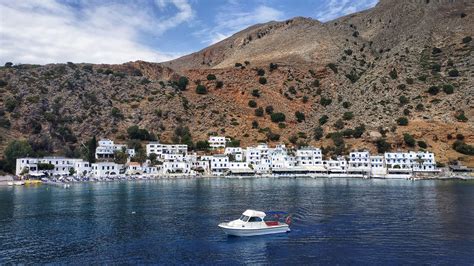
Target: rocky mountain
x=397 y=76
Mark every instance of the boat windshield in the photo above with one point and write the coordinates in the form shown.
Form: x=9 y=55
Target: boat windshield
x=255 y=219
x=244 y=218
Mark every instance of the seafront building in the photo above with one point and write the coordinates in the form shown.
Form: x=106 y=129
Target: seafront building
x=260 y=160
x=51 y=165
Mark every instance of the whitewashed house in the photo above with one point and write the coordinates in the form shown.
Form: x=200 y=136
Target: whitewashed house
x=62 y=166
x=236 y=152
x=219 y=164
x=176 y=167
x=134 y=168
x=106 y=149
x=216 y=142
x=309 y=157
x=162 y=150
x=377 y=166
x=337 y=166
x=410 y=161
x=279 y=158
x=359 y=163
x=104 y=169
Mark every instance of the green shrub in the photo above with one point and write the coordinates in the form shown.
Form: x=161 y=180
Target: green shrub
x=116 y=113
x=403 y=100
x=467 y=39
x=292 y=90
x=254 y=124
x=436 y=50
x=436 y=67
x=402 y=121
x=211 y=77
x=260 y=72
x=183 y=83
x=259 y=111
x=323 y=120
x=5 y=123
x=422 y=144
x=201 y=89
x=300 y=117
x=348 y=52
x=459 y=136
x=272 y=136
x=305 y=99
x=269 y=109
x=448 y=88
x=348 y=116
x=453 y=73
x=325 y=101
x=346 y=104
x=410 y=81
x=10 y=104
x=462 y=147
x=273 y=66
x=262 y=80
x=433 y=90
x=461 y=117
x=347 y=132
x=353 y=76
x=382 y=145
x=281 y=125
x=406 y=111
x=277 y=117
x=318 y=133
x=219 y=84
x=3 y=83
x=420 y=107
x=315 y=83
x=359 y=131
x=238 y=65
x=252 y=103
x=409 y=140
x=256 y=93
x=339 y=124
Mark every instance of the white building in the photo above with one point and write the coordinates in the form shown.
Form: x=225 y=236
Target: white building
x=216 y=142
x=107 y=148
x=279 y=158
x=161 y=150
x=359 y=162
x=176 y=167
x=62 y=166
x=338 y=166
x=410 y=161
x=236 y=152
x=219 y=164
x=104 y=169
x=134 y=168
x=309 y=157
x=377 y=165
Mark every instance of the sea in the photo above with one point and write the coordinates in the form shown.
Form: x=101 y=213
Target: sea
x=174 y=221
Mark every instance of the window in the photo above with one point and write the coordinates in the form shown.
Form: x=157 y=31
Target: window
x=255 y=219
x=244 y=218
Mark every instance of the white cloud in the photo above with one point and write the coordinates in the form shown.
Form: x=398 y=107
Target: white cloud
x=231 y=19
x=46 y=31
x=338 y=8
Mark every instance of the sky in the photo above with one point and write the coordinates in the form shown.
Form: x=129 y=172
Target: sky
x=118 y=31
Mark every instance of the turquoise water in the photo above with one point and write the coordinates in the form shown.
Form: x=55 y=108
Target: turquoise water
x=335 y=221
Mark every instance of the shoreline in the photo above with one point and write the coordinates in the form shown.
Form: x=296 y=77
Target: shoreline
x=177 y=177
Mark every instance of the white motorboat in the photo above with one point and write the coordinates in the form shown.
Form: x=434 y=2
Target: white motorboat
x=252 y=223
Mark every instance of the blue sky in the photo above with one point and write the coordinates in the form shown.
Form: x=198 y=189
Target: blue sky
x=117 y=31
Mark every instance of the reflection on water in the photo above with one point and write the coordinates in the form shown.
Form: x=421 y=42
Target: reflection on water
x=340 y=221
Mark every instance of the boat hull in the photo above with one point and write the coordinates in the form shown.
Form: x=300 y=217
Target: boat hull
x=254 y=231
